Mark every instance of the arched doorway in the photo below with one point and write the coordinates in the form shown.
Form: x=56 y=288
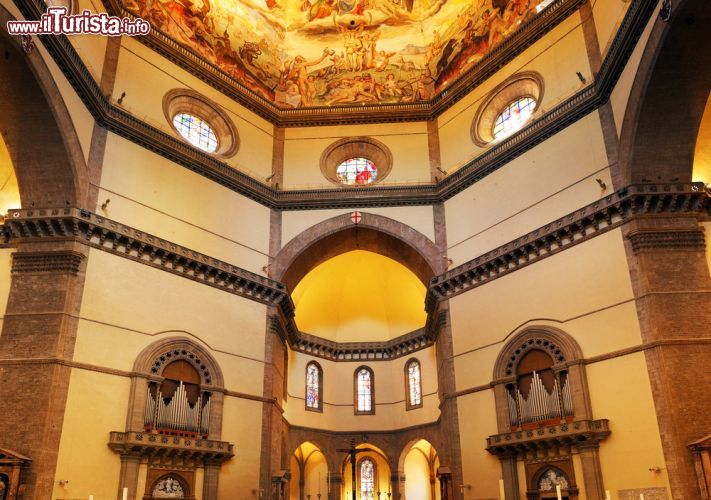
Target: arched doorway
x=372 y=480
x=309 y=473
x=420 y=463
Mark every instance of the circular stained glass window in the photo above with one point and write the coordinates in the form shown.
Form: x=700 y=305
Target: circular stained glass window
x=196 y=131
x=513 y=117
x=357 y=171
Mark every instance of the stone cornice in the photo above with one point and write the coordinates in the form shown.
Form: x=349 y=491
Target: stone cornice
x=145 y=444
x=580 y=433
x=122 y=123
x=645 y=200
x=670 y=239
x=120 y=239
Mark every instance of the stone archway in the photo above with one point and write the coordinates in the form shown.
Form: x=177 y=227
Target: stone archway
x=667 y=99
x=373 y=233
x=38 y=131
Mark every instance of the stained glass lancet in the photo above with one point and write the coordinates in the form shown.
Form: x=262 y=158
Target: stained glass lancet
x=364 y=390
x=414 y=383
x=367 y=479
x=313 y=386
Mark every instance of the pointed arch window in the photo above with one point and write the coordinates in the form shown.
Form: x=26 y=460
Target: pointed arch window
x=367 y=472
x=364 y=390
x=314 y=387
x=413 y=384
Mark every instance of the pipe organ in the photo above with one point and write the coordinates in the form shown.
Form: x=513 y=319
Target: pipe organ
x=540 y=405
x=176 y=414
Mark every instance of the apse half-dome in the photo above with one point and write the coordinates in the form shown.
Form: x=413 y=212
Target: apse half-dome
x=359 y=296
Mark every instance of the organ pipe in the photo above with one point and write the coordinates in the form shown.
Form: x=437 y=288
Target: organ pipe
x=176 y=413
x=539 y=405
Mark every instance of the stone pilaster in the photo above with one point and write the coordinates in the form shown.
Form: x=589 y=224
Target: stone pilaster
x=335 y=483
x=592 y=473
x=509 y=472
x=130 y=465
x=672 y=288
x=38 y=332
x=211 y=480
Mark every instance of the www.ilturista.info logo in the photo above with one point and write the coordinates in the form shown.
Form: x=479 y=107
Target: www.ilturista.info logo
x=55 y=21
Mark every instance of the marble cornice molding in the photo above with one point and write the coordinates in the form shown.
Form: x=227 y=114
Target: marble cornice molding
x=610 y=212
x=119 y=121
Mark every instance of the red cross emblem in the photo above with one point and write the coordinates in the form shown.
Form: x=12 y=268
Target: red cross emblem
x=356 y=217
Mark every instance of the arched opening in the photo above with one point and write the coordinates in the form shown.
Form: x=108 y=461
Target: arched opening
x=702 y=153
x=359 y=296
x=309 y=472
x=667 y=102
x=420 y=463
x=37 y=131
x=372 y=480
x=170 y=486
x=9 y=190
x=548 y=481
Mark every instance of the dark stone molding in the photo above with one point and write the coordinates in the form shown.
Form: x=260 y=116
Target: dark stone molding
x=119 y=239
x=122 y=123
x=580 y=433
x=668 y=239
x=647 y=200
x=60 y=261
x=638 y=200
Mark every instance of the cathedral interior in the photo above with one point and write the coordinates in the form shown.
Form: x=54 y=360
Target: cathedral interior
x=316 y=249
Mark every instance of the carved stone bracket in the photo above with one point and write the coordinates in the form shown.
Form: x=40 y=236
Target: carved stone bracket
x=580 y=433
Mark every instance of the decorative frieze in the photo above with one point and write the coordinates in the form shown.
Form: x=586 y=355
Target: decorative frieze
x=46 y=262
x=647 y=200
x=146 y=444
x=669 y=239
x=579 y=433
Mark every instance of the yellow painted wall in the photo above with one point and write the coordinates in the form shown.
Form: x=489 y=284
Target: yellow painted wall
x=338 y=398
x=91 y=48
x=620 y=390
x=360 y=296
x=96 y=404
x=144 y=99
x=556 y=57
x=545 y=183
x=156 y=196
x=621 y=92
x=407 y=142
x=608 y=15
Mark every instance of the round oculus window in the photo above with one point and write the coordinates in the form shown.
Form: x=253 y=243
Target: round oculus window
x=196 y=131
x=513 y=117
x=357 y=171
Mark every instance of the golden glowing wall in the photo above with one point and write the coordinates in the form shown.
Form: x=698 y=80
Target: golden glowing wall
x=360 y=296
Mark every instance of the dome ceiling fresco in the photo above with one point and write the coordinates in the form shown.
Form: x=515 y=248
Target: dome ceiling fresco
x=311 y=53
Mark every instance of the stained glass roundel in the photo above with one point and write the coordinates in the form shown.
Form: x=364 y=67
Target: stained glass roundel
x=196 y=131
x=357 y=171
x=513 y=117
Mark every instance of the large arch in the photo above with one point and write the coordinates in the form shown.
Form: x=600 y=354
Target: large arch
x=38 y=130
x=667 y=98
x=373 y=233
